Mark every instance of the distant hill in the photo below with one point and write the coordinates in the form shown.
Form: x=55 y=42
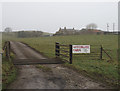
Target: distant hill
x=45 y=34
x=27 y=34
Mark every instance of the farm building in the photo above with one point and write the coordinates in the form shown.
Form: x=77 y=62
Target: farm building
x=66 y=31
x=73 y=31
x=91 y=31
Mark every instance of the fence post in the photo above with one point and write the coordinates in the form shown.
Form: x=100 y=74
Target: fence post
x=6 y=50
x=57 y=49
x=9 y=49
x=101 y=49
x=70 y=54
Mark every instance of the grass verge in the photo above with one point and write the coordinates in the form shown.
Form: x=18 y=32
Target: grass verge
x=8 y=71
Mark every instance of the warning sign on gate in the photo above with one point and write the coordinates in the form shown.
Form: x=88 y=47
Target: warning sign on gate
x=80 y=48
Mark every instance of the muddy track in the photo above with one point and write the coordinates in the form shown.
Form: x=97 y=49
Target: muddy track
x=31 y=77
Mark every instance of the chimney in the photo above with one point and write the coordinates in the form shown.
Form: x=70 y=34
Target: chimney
x=64 y=28
x=59 y=28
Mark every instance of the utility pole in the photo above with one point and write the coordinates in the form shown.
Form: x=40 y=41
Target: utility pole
x=107 y=27
x=113 y=27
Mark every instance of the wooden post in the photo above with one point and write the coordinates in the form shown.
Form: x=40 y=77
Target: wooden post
x=101 y=49
x=9 y=46
x=6 y=51
x=57 y=49
x=9 y=49
x=70 y=54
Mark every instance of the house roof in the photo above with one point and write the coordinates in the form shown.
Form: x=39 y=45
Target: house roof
x=96 y=31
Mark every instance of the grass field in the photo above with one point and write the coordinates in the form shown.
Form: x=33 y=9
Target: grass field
x=99 y=69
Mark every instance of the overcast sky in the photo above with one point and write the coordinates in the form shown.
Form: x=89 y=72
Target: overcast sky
x=50 y=16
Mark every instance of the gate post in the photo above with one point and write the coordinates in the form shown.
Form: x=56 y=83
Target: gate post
x=6 y=51
x=9 y=49
x=70 y=54
x=57 y=49
x=101 y=49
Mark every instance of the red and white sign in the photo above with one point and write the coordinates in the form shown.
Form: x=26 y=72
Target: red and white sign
x=80 y=48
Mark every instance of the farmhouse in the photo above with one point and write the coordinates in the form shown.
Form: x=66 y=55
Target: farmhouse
x=72 y=31
x=66 y=31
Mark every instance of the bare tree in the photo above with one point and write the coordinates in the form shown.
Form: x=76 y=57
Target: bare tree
x=8 y=29
x=91 y=26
